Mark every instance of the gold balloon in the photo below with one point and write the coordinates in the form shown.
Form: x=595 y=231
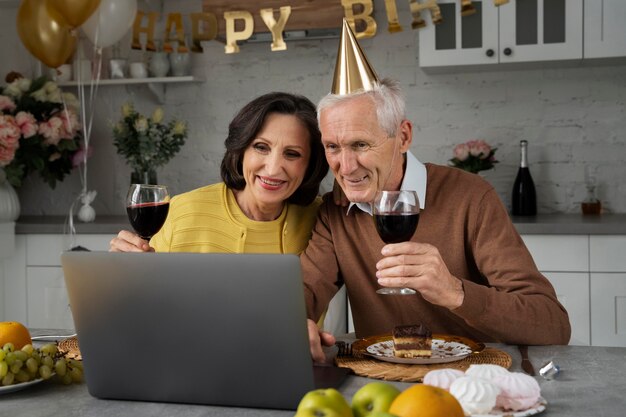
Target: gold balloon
x=500 y=2
x=365 y=16
x=207 y=34
x=45 y=33
x=232 y=36
x=278 y=44
x=75 y=12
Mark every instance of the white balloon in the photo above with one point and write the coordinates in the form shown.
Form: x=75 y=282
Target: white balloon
x=110 y=22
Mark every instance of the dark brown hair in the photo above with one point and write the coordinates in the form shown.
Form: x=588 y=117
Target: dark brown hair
x=245 y=126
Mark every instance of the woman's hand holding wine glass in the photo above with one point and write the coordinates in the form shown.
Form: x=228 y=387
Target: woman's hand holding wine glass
x=147 y=207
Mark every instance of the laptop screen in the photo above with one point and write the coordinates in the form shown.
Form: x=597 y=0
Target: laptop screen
x=223 y=329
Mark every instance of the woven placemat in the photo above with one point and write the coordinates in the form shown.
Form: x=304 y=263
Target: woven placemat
x=69 y=347
x=373 y=368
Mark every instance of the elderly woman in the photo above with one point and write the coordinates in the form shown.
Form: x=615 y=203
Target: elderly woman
x=267 y=202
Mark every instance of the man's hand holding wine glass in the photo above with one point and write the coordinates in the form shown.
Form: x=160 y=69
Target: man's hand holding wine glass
x=419 y=266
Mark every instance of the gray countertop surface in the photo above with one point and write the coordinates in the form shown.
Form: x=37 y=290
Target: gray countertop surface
x=591 y=383
x=557 y=224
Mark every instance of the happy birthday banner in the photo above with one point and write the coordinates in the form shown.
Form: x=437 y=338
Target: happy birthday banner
x=239 y=24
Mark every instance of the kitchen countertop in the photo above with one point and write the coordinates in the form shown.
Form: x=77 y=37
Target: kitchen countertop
x=555 y=224
x=591 y=383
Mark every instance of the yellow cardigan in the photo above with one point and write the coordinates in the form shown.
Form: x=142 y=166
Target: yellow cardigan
x=208 y=220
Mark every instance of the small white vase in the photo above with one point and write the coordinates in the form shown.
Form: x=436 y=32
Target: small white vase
x=180 y=64
x=9 y=203
x=159 y=64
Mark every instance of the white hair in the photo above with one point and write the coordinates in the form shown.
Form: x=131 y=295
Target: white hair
x=387 y=97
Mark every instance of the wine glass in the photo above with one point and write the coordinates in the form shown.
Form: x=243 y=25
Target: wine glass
x=147 y=206
x=396 y=214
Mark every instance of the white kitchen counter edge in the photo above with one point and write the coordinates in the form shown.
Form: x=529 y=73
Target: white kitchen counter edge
x=544 y=224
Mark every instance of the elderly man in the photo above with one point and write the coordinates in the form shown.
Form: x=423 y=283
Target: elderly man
x=472 y=273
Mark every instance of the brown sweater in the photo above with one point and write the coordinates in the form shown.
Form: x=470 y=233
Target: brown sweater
x=506 y=298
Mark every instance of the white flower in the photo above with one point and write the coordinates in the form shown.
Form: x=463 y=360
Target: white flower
x=141 y=124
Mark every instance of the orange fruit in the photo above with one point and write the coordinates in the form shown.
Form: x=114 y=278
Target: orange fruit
x=14 y=332
x=425 y=401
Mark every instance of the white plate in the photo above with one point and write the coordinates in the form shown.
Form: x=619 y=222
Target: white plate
x=444 y=351
x=19 y=386
x=536 y=409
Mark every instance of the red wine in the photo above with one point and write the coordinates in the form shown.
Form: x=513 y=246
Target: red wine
x=147 y=218
x=396 y=227
x=524 y=198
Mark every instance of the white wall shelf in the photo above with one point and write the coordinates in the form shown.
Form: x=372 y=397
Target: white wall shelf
x=157 y=85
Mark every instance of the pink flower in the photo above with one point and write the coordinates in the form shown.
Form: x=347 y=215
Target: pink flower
x=6 y=104
x=9 y=139
x=42 y=119
x=9 y=131
x=79 y=157
x=71 y=125
x=479 y=148
x=474 y=156
x=52 y=130
x=6 y=155
x=27 y=123
x=461 y=151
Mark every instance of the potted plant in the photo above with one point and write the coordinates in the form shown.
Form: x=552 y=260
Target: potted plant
x=147 y=142
x=474 y=156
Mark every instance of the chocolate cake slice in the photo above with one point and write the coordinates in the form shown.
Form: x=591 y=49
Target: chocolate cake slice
x=412 y=341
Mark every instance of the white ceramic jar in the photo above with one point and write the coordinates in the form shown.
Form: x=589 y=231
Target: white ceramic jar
x=180 y=64
x=159 y=64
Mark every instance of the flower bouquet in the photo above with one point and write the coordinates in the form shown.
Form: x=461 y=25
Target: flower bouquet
x=474 y=156
x=147 y=142
x=39 y=130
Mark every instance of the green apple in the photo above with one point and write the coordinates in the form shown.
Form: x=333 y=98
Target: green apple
x=323 y=403
x=375 y=396
x=380 y=414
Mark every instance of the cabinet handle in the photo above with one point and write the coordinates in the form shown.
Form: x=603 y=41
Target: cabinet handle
x=508 y=51
x=489 y=53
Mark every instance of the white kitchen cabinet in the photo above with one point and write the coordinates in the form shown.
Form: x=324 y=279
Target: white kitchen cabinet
x=564 y=260
x=559 y=253
x=34 y=288
x=608 y=309
x=48 y=306
x=572 y=290
x=605 y=31
x=518 y=31
x=608 y=290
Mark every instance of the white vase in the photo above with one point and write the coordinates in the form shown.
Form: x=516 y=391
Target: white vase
x=180 y=64
x=159 y=64
x=9 y=203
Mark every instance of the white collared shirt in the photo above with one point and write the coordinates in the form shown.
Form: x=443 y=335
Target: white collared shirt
x=414 y=179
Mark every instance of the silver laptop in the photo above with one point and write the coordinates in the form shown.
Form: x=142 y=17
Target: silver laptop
x=220 y=329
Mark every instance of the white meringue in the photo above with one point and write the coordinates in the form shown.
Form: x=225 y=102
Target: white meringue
x=442 y=378
x=486 y=371
x=476 y=395
x=518 y=391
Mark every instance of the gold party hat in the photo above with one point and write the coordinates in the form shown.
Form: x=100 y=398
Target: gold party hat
x=352 y=71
